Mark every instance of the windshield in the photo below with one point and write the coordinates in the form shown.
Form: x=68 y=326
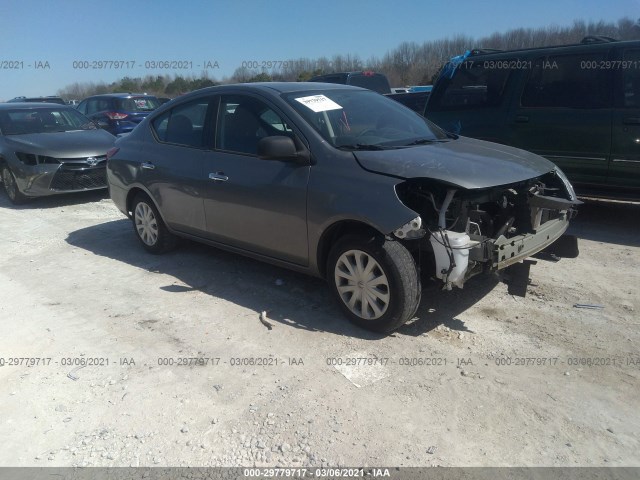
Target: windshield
x=42 y=120
x=360 y=119
x=137 y=104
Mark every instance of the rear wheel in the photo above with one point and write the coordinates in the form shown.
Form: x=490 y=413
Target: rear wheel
x=149 y=227
x=11 y=187
x=375 y=281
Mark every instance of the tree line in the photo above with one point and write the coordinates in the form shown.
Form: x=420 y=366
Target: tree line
x=409 y=63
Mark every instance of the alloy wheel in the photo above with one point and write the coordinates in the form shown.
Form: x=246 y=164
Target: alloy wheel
x=146 y=224
x=362 y=284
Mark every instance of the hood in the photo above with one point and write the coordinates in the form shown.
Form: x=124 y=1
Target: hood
x=464 y=162
x=75 y=144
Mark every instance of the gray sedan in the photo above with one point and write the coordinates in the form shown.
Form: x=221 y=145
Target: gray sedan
x=337 y=182
x=47 y=149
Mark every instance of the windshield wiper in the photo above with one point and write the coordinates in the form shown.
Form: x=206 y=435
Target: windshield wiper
x=425 y=141
x=362 y=146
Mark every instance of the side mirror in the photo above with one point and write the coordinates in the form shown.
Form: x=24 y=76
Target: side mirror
x=282 y=148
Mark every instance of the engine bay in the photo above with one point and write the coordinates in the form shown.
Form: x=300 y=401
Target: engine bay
x=471 y=231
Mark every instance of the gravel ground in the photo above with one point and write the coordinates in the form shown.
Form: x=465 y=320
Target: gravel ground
x=492 y=380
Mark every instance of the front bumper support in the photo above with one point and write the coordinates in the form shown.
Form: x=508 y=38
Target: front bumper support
x=507 y=251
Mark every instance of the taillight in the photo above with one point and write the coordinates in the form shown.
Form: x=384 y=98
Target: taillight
x=112 y=152
x=116 y=115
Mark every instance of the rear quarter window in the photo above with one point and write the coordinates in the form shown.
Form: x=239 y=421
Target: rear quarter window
x=137 y=104
x=475 y=84
x=631 y=79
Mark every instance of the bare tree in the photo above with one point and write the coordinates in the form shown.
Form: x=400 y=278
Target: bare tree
x=409 y=63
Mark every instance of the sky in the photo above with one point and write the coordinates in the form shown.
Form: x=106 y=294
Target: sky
x=41 y=39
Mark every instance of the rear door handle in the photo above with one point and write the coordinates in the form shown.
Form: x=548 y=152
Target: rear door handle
x=218 y=177
x=148 y=166
x=522 y=118
x=631 y=121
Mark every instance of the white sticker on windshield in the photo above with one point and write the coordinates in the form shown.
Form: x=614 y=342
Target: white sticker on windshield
x=319 y=103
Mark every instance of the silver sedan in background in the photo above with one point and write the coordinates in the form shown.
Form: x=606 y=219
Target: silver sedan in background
x=47 y=149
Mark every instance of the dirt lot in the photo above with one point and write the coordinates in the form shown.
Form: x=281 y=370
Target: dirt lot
x=76 y=287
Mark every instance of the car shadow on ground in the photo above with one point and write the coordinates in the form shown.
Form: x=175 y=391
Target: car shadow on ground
x=289 y=298
x=440 y=307
x=607 y=221
x=55 y=201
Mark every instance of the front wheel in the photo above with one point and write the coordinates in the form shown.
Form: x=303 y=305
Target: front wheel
x=11 y=187
x=375 y=281
x=149 y=227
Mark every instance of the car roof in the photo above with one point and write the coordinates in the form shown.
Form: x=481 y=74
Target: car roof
x=48 y=99
x=479 y=52
x=122 y=95
x=37 y=96
x=279 y=87
x=355 y=72
x=33 y=106
x=286 y=87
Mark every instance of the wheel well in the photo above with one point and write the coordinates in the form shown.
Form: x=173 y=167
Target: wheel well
x=3 y=162
x=336 y=231
x=131 y=195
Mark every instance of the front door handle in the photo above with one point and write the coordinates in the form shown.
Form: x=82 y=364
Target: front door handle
x=522 y=118
x=148 y=166
x=631 y=121
x=218 y=177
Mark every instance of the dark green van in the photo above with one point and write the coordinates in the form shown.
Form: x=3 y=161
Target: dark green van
x=370 y=80
x=577 y=105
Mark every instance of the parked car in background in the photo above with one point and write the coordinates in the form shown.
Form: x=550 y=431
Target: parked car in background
x=377 y=82
x=118 y=112
x=51 y=99
x=420 y=88
x=163 y=100
x=47 y=149
x=338 y=182
x=416 y=101
x=577 y=105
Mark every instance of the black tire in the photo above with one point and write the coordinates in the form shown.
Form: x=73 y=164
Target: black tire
x=393 y=264
x=149 y=226
x=11 y=187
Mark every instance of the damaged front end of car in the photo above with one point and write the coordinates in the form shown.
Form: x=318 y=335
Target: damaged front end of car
x=494 y=229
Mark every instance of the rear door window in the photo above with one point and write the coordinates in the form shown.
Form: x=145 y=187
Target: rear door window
x=185 y=124
x=569 y=81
